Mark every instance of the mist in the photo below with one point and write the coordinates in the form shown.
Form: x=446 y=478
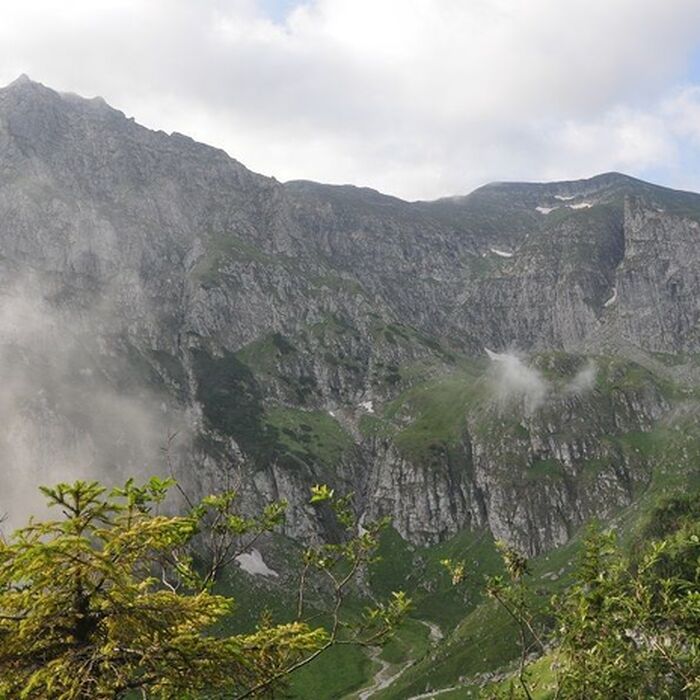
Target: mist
x=584 y=380
x=513 y=381
x=65 y=410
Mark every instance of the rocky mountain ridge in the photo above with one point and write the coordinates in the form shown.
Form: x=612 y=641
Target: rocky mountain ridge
x=298 y=332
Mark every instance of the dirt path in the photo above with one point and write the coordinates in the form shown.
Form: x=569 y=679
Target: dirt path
x=435 y=632
x=386 y=675
x=434 y=693
x=383 y=678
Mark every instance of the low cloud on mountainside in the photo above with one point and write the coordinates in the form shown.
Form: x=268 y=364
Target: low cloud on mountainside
x=513 y=381
x=61 y=418
x=421 y=98
x=584 y=380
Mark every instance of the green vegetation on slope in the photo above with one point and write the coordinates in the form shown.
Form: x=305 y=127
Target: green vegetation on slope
x=434 y=412
x=486 y=639
x=310 y=435
x=434 y=402
x=224 y=249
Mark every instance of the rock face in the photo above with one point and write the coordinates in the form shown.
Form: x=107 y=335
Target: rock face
x=301 y=332
x=532 y=476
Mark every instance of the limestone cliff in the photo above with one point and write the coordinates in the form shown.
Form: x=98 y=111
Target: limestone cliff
x=300 y=332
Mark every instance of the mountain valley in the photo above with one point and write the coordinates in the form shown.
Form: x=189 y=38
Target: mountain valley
x=505 y=365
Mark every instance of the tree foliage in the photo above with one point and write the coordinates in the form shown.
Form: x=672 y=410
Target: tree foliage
x=627 y=627
x=105 y=600
x=630 y=628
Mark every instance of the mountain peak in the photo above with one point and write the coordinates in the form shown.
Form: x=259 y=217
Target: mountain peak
x=24 y=85
x=23 y=81
x=599 y=180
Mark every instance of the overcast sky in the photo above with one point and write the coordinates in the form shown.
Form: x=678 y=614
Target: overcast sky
x=417 y=98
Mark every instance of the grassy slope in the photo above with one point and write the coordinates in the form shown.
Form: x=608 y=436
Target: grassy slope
x=485 y=639
x=430 y=413
x=333 y=674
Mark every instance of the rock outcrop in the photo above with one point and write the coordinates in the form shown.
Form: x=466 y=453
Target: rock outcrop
x=300 y=332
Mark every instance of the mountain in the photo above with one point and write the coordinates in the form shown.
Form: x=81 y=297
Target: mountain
x=508 y=360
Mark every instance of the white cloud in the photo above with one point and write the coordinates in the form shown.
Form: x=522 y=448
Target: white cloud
x=584 y=380
x=59 y=418
x=419 y=98
x=631 y=140
x=512 y=380
x=682 y=112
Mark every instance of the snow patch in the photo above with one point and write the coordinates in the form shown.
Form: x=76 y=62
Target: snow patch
x=253 y=563
x=580 y=205
x=612 y=299
x=361 y=529
x=545 y=210
x=367 y=406
x=564 y=197
x=501 y=253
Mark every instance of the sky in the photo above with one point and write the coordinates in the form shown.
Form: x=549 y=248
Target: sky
x=416 y=98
